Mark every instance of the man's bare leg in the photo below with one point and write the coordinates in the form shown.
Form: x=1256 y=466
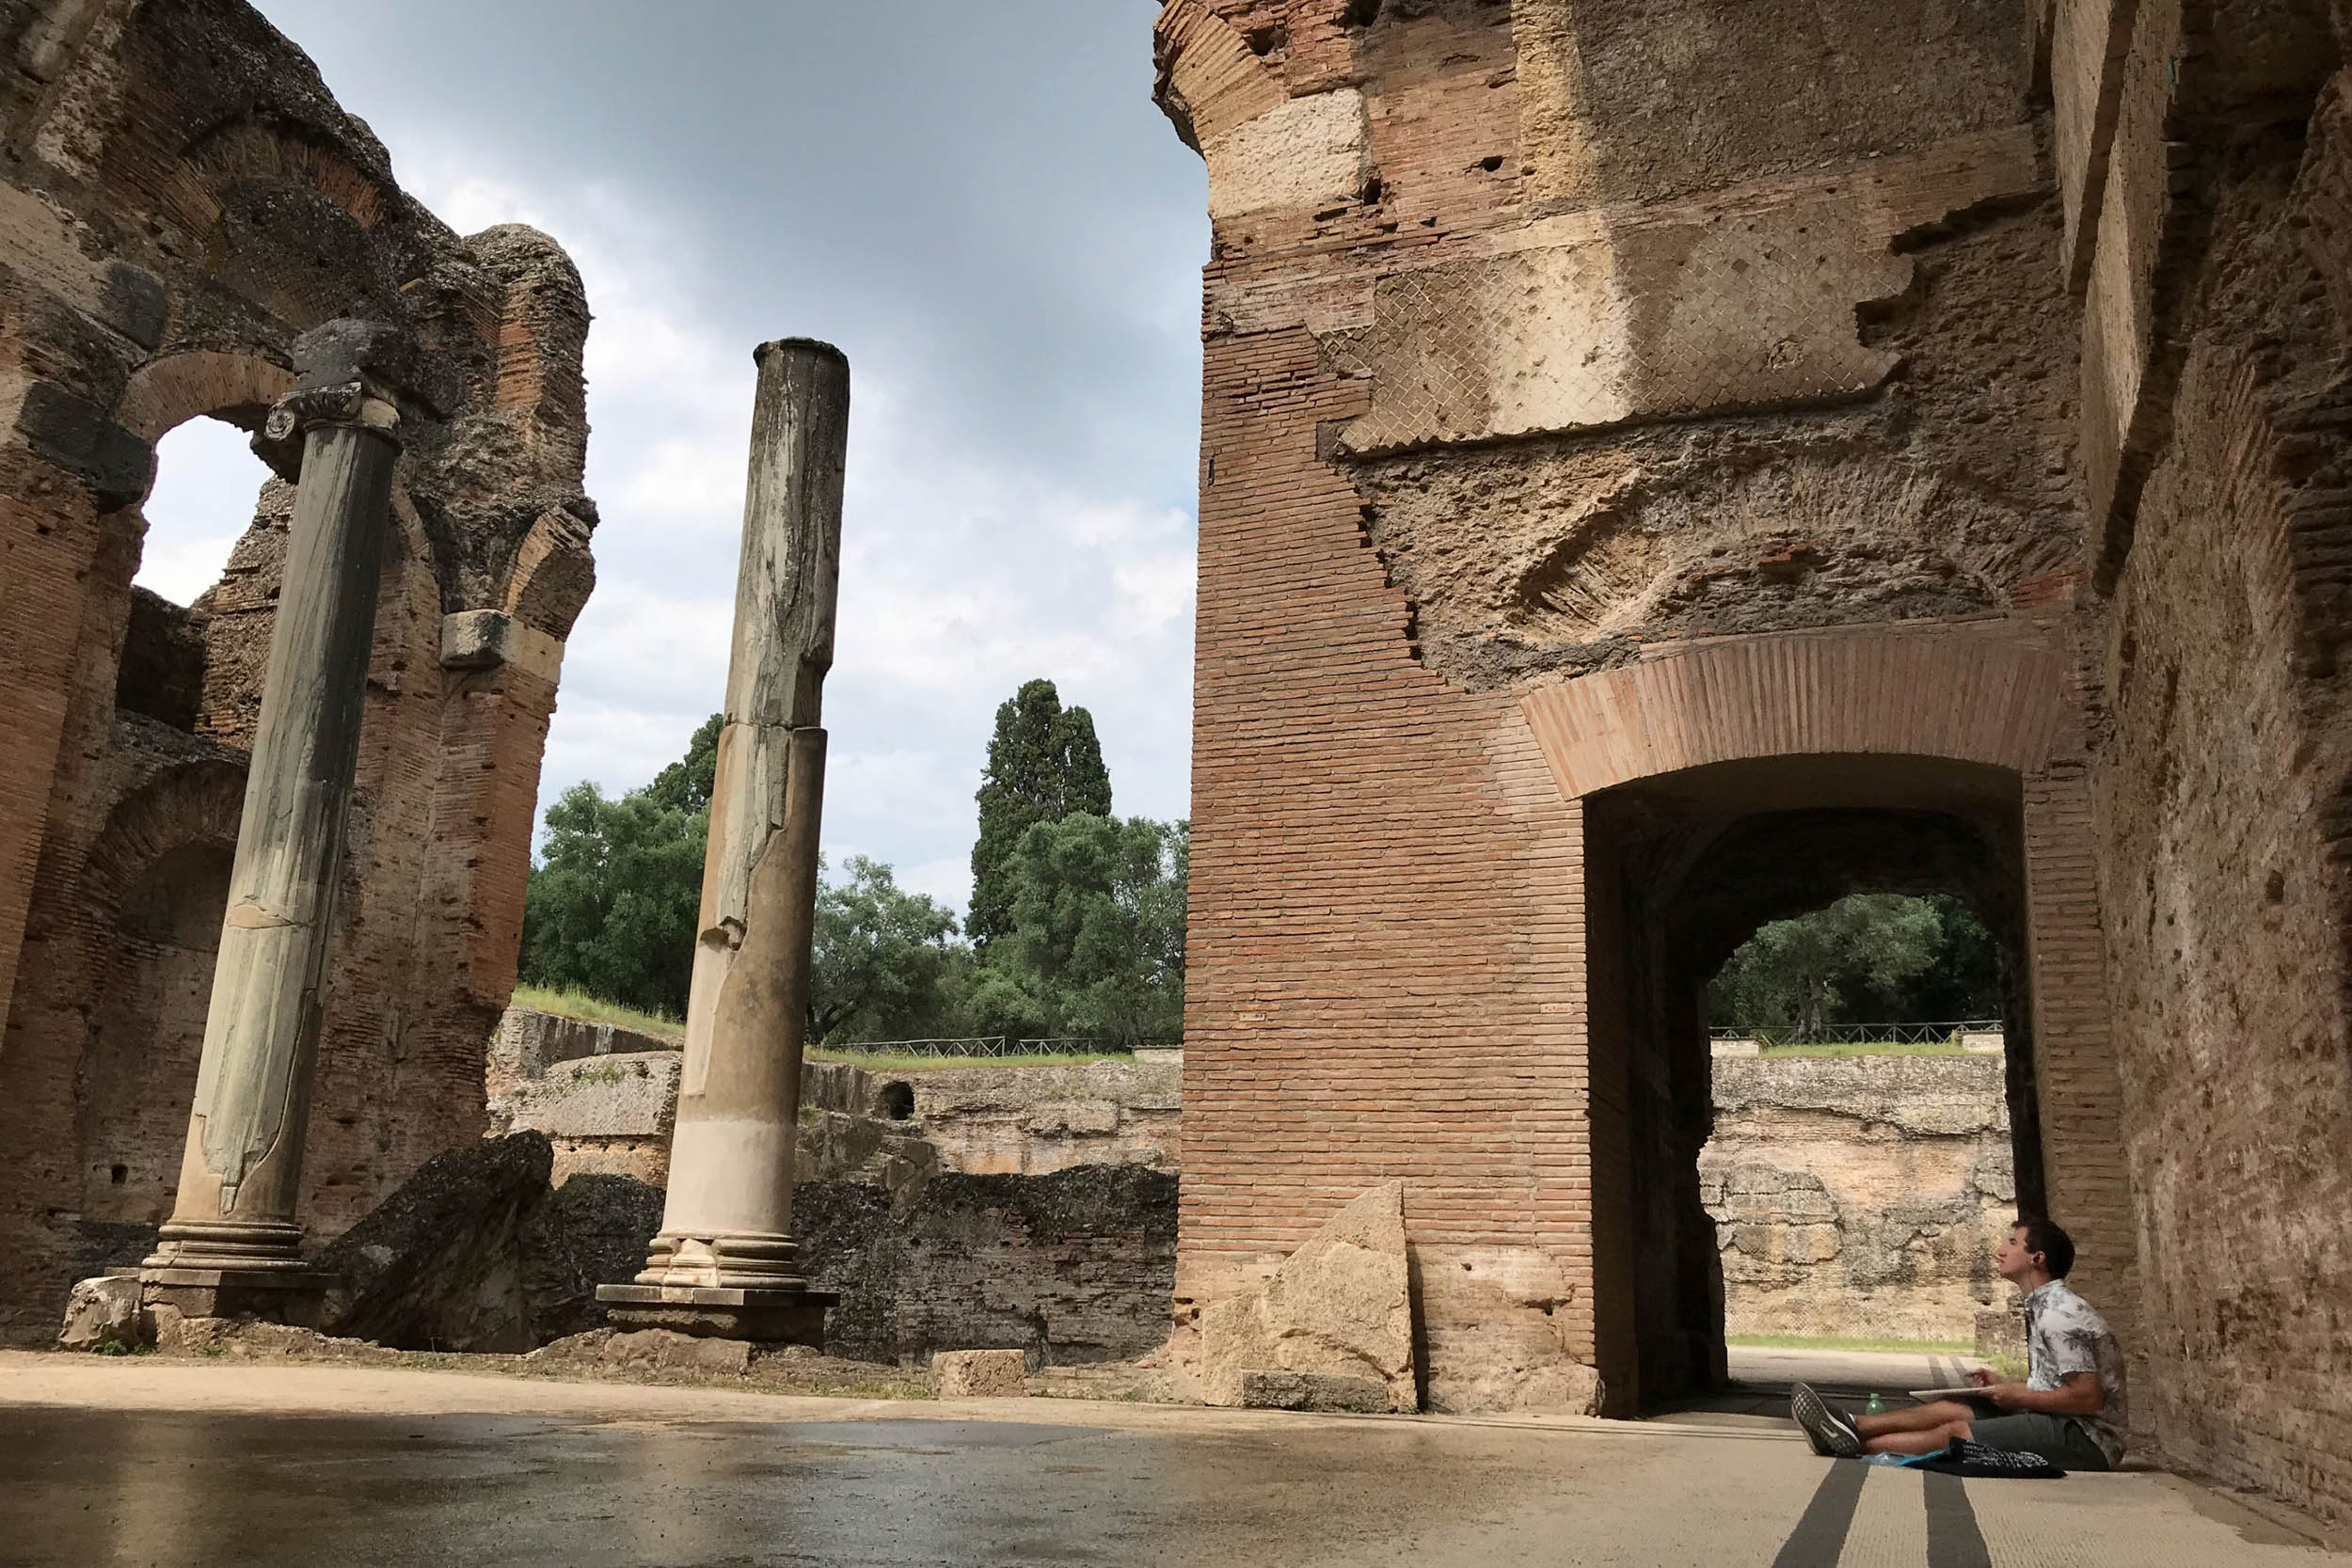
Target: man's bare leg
x=1925 y=1428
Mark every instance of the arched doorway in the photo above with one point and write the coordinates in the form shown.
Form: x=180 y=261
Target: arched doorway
x=1724 y=783
x=1680 y=869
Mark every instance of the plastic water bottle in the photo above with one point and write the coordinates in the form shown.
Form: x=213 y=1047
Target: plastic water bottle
x=1878 y=1405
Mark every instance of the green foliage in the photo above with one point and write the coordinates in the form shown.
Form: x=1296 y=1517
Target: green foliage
x=687 y=783
x=1869 y=959
x=1044 y=764
x=885 y=965
x=1089 y=936
x=1096 y=945
x=612 y=901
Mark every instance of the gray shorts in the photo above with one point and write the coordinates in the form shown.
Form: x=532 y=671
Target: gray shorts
x=2062 y=1440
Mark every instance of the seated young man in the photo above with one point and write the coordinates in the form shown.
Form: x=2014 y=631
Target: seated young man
x=2069 y=1410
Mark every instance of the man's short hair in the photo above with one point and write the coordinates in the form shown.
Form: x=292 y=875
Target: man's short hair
x=2049 y=1239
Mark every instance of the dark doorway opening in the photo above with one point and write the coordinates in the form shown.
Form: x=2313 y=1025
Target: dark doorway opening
x=1682 y=868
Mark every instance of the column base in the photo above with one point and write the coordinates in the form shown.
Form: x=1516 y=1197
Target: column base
x=776 y=1317
x=295 y=1296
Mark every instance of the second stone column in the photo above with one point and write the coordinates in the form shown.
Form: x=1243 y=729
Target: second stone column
x=724 y=1262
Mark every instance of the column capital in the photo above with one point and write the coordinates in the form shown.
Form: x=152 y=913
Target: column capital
x=347 y=372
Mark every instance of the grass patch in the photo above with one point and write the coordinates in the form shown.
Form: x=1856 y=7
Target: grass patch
x=593 y=1010
x=1870 y=1047
x=1808 y=1341
x=889 y=1063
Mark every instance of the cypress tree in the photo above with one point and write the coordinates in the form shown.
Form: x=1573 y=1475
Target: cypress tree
x=1044 y=764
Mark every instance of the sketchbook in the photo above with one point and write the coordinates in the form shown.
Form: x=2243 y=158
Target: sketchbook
x=1966 y=1390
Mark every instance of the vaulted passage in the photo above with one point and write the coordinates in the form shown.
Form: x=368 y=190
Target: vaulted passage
x=1682 y=868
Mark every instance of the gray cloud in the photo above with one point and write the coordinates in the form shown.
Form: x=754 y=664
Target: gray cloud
x=983 y=206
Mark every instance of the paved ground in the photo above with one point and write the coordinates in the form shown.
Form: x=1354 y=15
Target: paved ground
x=149 y=1461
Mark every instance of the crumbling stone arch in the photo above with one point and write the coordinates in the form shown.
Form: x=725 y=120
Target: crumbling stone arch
x=185 y=199
x=234 y=385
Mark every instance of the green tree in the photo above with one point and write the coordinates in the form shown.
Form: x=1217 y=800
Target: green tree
x=687 y=783
x=1097 y=939
x=1868 y=958
x=1044 y=764
x=884 y=962
x=611 y=903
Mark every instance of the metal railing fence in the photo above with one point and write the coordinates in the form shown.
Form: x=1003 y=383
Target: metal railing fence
x=987 y=1046
x=1863 y=1034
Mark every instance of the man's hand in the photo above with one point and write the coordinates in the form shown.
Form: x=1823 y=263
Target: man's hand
x=2009 y=1395
x=1984 y=1377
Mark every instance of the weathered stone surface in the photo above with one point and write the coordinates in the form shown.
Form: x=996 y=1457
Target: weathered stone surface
x=528 y=1043
x=982 y=1374
x=1313 y=1391
x=103 y=1311
x=620 y=1096
x=1341 y=1305
x=1859 y=1195
x=1301 y=153
x=987 y=1121
x=1496 y=1326
x=252 y=1338
x=460 y=1257
x=1072 y=1267
x=668 y=1350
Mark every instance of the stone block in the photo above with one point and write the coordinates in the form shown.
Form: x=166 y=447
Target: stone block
x=1313 y=1391
x=1340 y=1306
x=667 y=1349
x=982 y=1374
x=785 y=1315
x=103 y=1311
x=1301 y=154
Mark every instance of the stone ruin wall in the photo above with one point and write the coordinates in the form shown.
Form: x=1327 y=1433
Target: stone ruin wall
x=959 y=1207
x=183 y=199
x=606 y=1097
x=1542 y=335
x=2217 y=244
x=1543 y=339
x=1862 y=1196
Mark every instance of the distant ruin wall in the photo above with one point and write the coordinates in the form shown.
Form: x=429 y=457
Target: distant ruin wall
x=953 y=1208
x=1071 y=1267
x=606 y=1098
x=1860 y=1196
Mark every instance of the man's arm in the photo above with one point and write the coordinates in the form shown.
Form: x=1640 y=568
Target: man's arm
x=2077 y=1394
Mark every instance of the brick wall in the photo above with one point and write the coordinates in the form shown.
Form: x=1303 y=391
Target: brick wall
x=1384 y=933
x=1429 y=519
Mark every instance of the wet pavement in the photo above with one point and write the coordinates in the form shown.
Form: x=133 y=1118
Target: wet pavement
x=150 y=1462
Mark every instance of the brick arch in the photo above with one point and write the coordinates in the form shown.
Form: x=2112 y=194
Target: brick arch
x=235 y=384
x=1971 y=697
x=197 y=803
x=150 y=905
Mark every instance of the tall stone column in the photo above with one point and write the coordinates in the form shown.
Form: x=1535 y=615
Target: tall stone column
x=233 y=1243
x=725 y=1263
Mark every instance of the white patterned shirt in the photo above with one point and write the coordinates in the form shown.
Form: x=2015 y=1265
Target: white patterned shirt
x=2065 y=1335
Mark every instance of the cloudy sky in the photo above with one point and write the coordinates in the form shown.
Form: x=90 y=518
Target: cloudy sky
x=981 y=206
